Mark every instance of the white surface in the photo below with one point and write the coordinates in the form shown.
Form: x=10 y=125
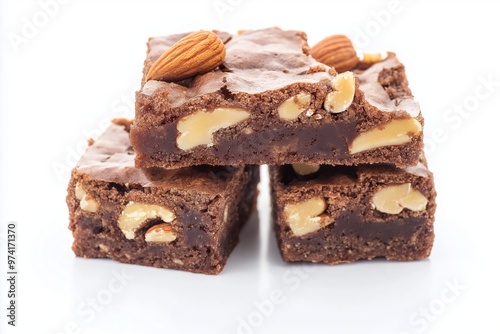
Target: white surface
x=80 y=69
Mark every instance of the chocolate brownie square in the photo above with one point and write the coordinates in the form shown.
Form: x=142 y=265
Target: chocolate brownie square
x=270 y=102
x=338 y=214
x=187 y=219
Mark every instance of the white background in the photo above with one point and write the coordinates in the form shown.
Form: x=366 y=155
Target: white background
x=64 y=78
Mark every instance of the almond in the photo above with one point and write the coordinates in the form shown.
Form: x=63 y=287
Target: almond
x=336 y=51
x=197 y=53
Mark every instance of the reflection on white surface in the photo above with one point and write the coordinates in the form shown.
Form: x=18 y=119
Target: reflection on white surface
x=256 y=290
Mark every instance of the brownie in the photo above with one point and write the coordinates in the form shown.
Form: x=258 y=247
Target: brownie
x=267 y=103
x=187 y=219
x=346 y=213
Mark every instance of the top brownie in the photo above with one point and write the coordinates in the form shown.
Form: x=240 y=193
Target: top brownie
x=270 y=102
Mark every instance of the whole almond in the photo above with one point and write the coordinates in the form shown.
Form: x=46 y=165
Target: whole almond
x=197 y=53
x=336 y=51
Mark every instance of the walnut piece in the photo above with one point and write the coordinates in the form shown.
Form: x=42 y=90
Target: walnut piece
x=294 y=106
x=305 y=169
x=305 y=217
x=87 y=203
x=394 y=198
x=394 y=132
x=160 y=233
x=197 y=129
x=372 y=58
x=344 y=85
x=135 y=214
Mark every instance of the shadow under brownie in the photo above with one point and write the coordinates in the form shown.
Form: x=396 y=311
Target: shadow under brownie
x=187 y=219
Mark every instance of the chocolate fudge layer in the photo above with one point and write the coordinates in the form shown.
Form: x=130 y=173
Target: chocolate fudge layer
x=187 y=219
x=270 y=102
x=345 y=213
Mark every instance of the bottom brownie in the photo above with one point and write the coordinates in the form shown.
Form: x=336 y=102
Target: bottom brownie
x=342 y=214
x=187 y=219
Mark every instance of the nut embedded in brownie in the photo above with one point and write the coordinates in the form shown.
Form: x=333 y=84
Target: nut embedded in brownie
x=187 y=219
x=338 y=214
x=270 y=102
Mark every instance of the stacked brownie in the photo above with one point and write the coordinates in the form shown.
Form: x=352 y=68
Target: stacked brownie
x=173 y=188
x=187 y=219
